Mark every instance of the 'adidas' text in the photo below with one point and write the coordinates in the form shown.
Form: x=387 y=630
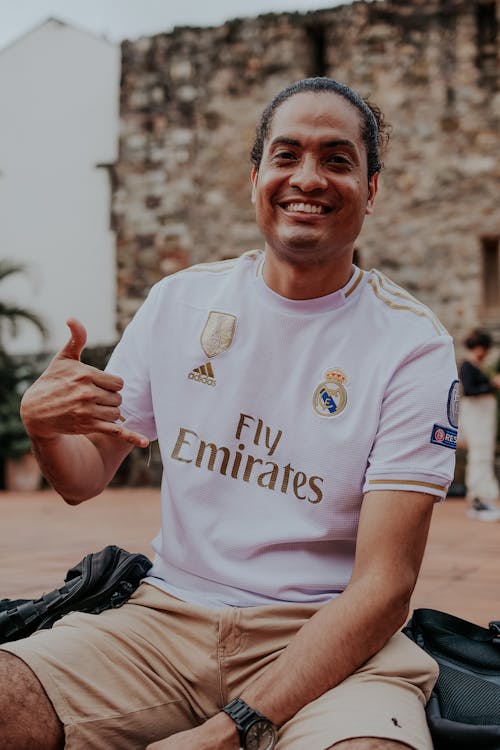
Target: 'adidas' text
x=203 y=374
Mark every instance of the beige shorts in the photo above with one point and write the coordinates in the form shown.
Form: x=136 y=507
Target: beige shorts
x=157 y=666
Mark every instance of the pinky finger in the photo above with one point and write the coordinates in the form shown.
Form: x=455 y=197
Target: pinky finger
x=135 y=438
x=116 y=430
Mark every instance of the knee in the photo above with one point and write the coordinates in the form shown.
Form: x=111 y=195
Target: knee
x=27 y=717
x=16 y=680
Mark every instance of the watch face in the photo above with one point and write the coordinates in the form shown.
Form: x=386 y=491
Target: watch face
x=260 y=736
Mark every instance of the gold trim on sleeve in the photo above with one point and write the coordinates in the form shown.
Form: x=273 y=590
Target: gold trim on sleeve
x=408 y=482
x=421 y=311
x=216 y=267
x=397 y=291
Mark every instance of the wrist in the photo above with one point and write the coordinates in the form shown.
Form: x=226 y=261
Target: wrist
x=40 y=440
x=255 y=730
x=35 y=427
x=223 y=733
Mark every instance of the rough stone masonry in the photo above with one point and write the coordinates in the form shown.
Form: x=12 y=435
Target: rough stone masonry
x=190 y=100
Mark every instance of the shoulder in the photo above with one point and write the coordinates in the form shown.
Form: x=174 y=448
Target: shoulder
x=197 y=283
x=468 y=367
x=210 y=272
x=400 y=309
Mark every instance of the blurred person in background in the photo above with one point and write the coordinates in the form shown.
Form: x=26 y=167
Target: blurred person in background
x=478 y=425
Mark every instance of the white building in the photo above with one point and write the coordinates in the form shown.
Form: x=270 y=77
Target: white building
x=59 y=90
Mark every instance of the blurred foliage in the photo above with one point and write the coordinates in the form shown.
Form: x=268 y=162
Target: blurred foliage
x=15 y=376
x=11 y=315
x=97 y=356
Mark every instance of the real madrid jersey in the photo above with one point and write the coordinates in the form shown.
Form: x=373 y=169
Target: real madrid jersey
x=273 y=417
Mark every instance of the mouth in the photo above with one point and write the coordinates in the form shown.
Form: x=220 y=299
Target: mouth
x=302 y=207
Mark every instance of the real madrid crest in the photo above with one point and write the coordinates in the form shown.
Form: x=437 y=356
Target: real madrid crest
x=330 y=397
x=217 y=333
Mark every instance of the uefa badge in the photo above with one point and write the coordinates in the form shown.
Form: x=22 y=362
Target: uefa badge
x=330 y=397
x=452 y=407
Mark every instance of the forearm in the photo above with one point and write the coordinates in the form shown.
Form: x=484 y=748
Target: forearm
x=340 y=637
x=72 y=464
x=350 y=629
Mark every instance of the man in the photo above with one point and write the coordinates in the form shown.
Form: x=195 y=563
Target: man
x=304 y=412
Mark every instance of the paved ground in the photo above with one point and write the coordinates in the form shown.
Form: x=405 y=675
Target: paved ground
x=41 y=537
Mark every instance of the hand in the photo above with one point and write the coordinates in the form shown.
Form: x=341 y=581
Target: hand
x=496 y=380
x=217 y=733
x=73 y=398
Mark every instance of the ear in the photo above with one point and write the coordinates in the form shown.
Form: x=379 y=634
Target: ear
x=253 y=177
x=372 y=192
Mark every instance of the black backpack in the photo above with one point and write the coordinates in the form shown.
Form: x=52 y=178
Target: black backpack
x=463 y=712
x=100 y=581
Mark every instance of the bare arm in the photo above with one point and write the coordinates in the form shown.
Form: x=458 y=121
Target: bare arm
x=350 y=629
x=345 y=632
x=71 y=414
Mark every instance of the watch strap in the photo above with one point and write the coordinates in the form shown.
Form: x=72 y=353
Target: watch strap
x=243 y=716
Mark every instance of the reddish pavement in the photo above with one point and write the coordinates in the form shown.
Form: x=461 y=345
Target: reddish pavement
x=41 y=537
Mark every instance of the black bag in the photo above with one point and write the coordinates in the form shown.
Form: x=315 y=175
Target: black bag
x=100 y=581
x=464 y=709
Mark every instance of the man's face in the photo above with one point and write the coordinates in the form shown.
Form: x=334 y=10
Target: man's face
x=311 y=191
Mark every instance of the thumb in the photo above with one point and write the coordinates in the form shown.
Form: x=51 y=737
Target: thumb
x=74 y=347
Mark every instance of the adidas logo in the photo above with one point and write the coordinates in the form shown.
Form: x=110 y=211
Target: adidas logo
x=203 y=374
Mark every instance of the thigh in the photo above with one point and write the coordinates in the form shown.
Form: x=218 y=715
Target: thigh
x=384 y=699
x=128 y=676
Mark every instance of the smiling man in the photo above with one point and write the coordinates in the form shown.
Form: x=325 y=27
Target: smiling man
x=306 y=415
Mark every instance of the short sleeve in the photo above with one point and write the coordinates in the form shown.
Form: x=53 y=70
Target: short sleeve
x=414 y=448
x=131 y=360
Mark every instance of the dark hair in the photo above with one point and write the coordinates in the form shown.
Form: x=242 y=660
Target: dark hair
x=478 y=337
x=375 y=130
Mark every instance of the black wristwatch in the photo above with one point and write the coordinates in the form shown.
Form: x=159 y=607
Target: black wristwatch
x=256 y=732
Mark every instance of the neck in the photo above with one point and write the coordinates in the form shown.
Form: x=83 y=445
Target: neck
x=305 y=281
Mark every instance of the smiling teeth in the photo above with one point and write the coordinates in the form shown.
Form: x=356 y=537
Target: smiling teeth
x=307 y=208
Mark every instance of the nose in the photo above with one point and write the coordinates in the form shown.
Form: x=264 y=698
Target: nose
x=307 y=175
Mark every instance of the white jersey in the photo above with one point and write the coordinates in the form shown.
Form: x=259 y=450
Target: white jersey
x=273 y=417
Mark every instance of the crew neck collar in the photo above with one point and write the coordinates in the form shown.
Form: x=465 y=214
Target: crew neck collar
x=325 y=303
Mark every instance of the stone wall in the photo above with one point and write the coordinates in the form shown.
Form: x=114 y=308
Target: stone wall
x=190 y=100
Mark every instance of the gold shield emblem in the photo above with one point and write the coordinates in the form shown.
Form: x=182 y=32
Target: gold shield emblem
x=218 y=333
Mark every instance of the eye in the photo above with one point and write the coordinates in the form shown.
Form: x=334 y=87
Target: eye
x=284 y=156
x=339 y=160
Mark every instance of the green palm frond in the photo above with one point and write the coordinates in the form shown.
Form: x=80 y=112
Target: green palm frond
x=8 y=269
x=11 y=314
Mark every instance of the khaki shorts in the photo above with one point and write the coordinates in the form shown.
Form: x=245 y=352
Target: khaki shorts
x=157 y=666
